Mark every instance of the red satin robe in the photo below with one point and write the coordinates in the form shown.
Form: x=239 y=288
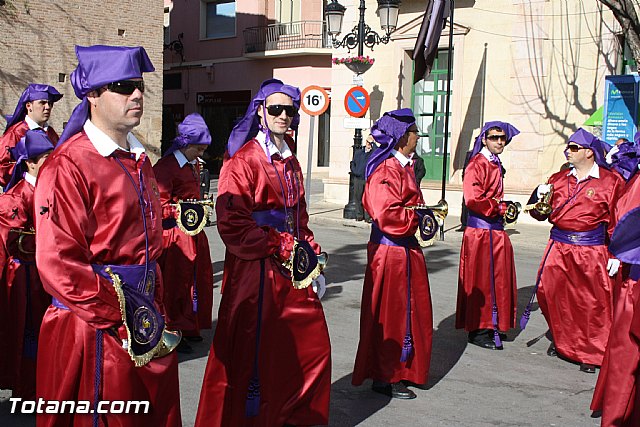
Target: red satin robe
x=26 y=299
x=616 y=393
x=87 y=212
x=8 y=141
x=185 y=260
x=294 y=358
x=483 y=189
x=384 y=296
x=575 y=290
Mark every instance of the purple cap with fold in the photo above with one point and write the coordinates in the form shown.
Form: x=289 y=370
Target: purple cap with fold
x=192 y=130
x=98 y=66
x=247 y=128
x=33 y=92
x=31 y=145
x=588 y=140
x=507 y=128
x=387 y=131
x=625 y=161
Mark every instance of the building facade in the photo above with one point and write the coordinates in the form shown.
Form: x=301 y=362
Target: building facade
x=226 y=48
x=39 y=48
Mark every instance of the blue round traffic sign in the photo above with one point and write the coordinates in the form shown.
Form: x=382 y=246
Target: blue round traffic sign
x=356 y=101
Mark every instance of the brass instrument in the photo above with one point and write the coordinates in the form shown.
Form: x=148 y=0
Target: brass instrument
x=440 y=212
x=301 y=265
x=542 y=206
x=513 y=210
x=21 y=233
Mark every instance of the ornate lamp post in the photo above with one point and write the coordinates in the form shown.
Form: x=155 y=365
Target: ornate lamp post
x=360 y=36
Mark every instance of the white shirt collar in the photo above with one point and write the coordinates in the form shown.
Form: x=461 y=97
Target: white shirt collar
x=182 y=160
x=106 y=146
x=270 y=148
x=488 y=154
x=33 y=125
x=404 y=160
x=594 y=172
x=30 y=179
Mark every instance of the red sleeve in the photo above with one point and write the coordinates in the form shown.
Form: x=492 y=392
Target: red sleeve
x=7 y=163
x=234 y=205
x=62 y=246
x=475 y=189
x=383 y=199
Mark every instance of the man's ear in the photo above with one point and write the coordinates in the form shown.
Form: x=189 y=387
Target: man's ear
x=92 y=96
x=28 y=105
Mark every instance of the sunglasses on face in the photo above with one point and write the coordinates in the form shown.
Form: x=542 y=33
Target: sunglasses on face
x=497 y=137
x=126 y=87
x=574 y=148
x=276 y=109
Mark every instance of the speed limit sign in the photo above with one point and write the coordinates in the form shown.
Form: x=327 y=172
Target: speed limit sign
x=315 y=100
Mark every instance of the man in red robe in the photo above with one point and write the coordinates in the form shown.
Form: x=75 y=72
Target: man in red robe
x=616 y=395
x=26 y=299
x=185 y=262
x=270 y=360
x=487 y=299
x=574 y=286
x=98 y=219
x=32 y=112
x=396 y=322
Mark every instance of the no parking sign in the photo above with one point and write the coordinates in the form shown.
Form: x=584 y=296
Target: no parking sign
x=356 y=101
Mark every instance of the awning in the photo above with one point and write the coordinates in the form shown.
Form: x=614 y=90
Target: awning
x=596 y=118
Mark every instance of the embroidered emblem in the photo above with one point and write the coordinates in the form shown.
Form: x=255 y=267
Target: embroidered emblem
x=150 y=285
x=192 y=217
x=290 y=222
x=145 y=325
x=303 y=261
x=590 y=192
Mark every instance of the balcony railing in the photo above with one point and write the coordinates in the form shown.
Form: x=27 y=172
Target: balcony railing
x=291 y=35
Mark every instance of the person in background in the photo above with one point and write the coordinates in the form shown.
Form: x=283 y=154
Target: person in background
x=358 y=165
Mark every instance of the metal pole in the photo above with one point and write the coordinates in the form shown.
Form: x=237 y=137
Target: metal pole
x=349 y=211
x=447 y=109
x=307 y=184
x=484 y=85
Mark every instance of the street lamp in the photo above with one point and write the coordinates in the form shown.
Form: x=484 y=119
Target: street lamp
x=360 y=36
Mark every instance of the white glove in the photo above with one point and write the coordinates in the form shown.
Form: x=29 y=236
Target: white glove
x=319 y=286
x=609 y=156
x=612 y=266
x=542 y=190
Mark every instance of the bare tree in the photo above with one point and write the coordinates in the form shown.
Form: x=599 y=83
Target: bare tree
x=626 y=13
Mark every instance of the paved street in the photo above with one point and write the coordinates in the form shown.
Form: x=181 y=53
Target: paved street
x=468 y=386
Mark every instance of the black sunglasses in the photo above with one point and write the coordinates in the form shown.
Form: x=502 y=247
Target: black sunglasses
x=574 y=148
x=126 y=87
x=276 y=109
x=497 y=137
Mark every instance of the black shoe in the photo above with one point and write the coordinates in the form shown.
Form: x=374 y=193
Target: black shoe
x=482 y=338
x=196 y=338
x=395 y=390
x=184 y=347
x=414 y=385
x=367 y=220
x=596 y=414
x=588 y=368
x=551 y=351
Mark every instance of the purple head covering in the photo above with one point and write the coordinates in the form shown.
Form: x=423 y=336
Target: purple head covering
x=33 y=92
x=507 y=128
x=98 y=66
x=387 y=131
x=31 y=145
x=625 y=161
x=248 y=126
x=192 y=130
x=588 y=140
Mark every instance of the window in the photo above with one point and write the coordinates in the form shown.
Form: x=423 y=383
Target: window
x=172 y=81
x=324 y=137
x=428 y=102
x=218 y=19
x=288 y=12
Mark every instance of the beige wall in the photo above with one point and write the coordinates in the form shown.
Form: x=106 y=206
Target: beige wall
x=546 y=63
x=39 y=40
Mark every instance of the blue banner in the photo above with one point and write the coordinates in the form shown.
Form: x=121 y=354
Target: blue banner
x=620 y=108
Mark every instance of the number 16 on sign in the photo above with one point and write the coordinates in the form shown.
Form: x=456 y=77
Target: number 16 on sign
x=315 y=101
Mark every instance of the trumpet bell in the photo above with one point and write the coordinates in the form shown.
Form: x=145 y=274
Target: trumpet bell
x=170 y=340
x=513 y=210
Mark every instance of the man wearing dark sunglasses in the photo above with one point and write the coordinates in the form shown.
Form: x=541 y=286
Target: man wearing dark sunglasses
x=575 y=282
x=487 y=299
x=32 y=112
x=270 y=359
x=99 y=236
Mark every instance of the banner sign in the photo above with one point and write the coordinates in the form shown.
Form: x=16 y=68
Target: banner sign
x=620 y=108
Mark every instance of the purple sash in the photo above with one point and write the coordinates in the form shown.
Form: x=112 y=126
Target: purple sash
x=634 y=272
x=380 y=238
x=478 y=221
x=593 y=237
x=275 y=218
x=56 y=303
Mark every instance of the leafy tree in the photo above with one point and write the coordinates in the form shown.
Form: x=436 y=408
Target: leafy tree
x=626 y=13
